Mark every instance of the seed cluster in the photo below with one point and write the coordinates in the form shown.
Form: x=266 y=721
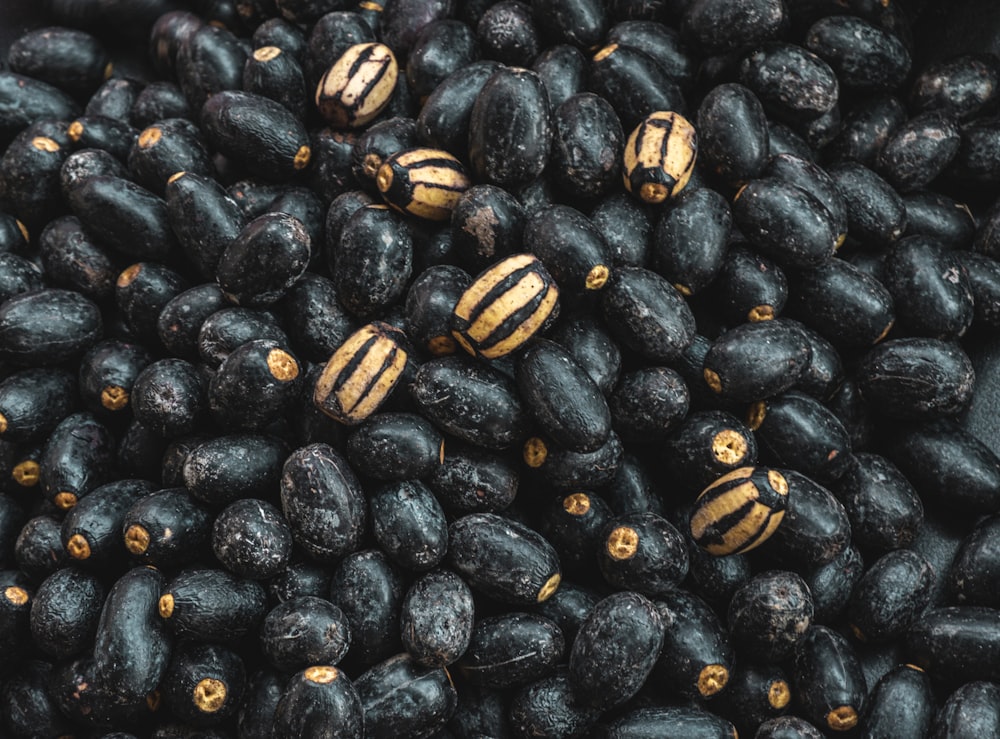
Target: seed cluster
x=434 y=369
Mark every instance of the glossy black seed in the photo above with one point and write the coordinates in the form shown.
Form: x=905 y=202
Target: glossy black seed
x=930 y=289
x=828 y=680
x=919 y=150
x=884 y=509
x=141 y=292
x=901 y=701
x=785 y=222
x=470 y=479
x=48 y=326
x=550 y=707
x=634 y=84
x=941 y=217
x=125 y=216
x=645 y=723
x=790 y=81
x=876 y=215
x=563 y=69
x=409 y=524
x=167 y=528
x=476 y=403
x=563 y=399
x=845 y=305
x=865 y=57
x=132 y=647
x=690 y=241
x=732 y=133
x=770 y=615
x=815 y=528
x=719 y=27
x=272 y=73
x=65 y=611
x=568 y=470
x=229 y=328
x=77 y=458
x=795 y=430
x=893 y=592
x=400 y=694
x=749 y=287
x=209 y=60
x=315 y=698
x=947 y=466
x=510 y=128
x=369 y=589
x=168 y=397
x=33 y=402
x=955 y=645
x=204 y=683
x=962 y=85
x=251 y=539
x=866 y=129
x=661 y=42
x=917 y=378
x=304 y=631
x=442 y=47
x=587 y=143
x=164 y=149
x=261 y=369
x=973 y=574
x=264 y=260
x=615 y=650
x=211 y=605
x=368 y=280
x=503 y=559
x=647 y=314
x=973 y=707
x=757 y=360
x=436 y=623
x=787 y=727
x=697 y=655
x=642 y=552
x=322 y=500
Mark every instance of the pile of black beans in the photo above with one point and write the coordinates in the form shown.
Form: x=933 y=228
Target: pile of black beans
x=561 y=368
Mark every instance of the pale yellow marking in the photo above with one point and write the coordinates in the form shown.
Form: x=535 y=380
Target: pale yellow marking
x=474 y=294
x=729 y=447
x=266 y=53
x=527 y=329
x=26 y=473
x=78 y=547
x=114 y=397
x=137 y=539
x=149 y=137
x=209 y=695
x=576 y=504
x=128 y=275
x=321 y=674
x=708 y=515
x=550 y=587
x=622 y=543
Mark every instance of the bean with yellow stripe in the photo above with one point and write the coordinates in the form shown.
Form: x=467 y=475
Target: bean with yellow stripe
x=426 y=183
x=659 y=156
x=358 y=86
x=361 y=373
x=505 y=306
x=739 y=511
